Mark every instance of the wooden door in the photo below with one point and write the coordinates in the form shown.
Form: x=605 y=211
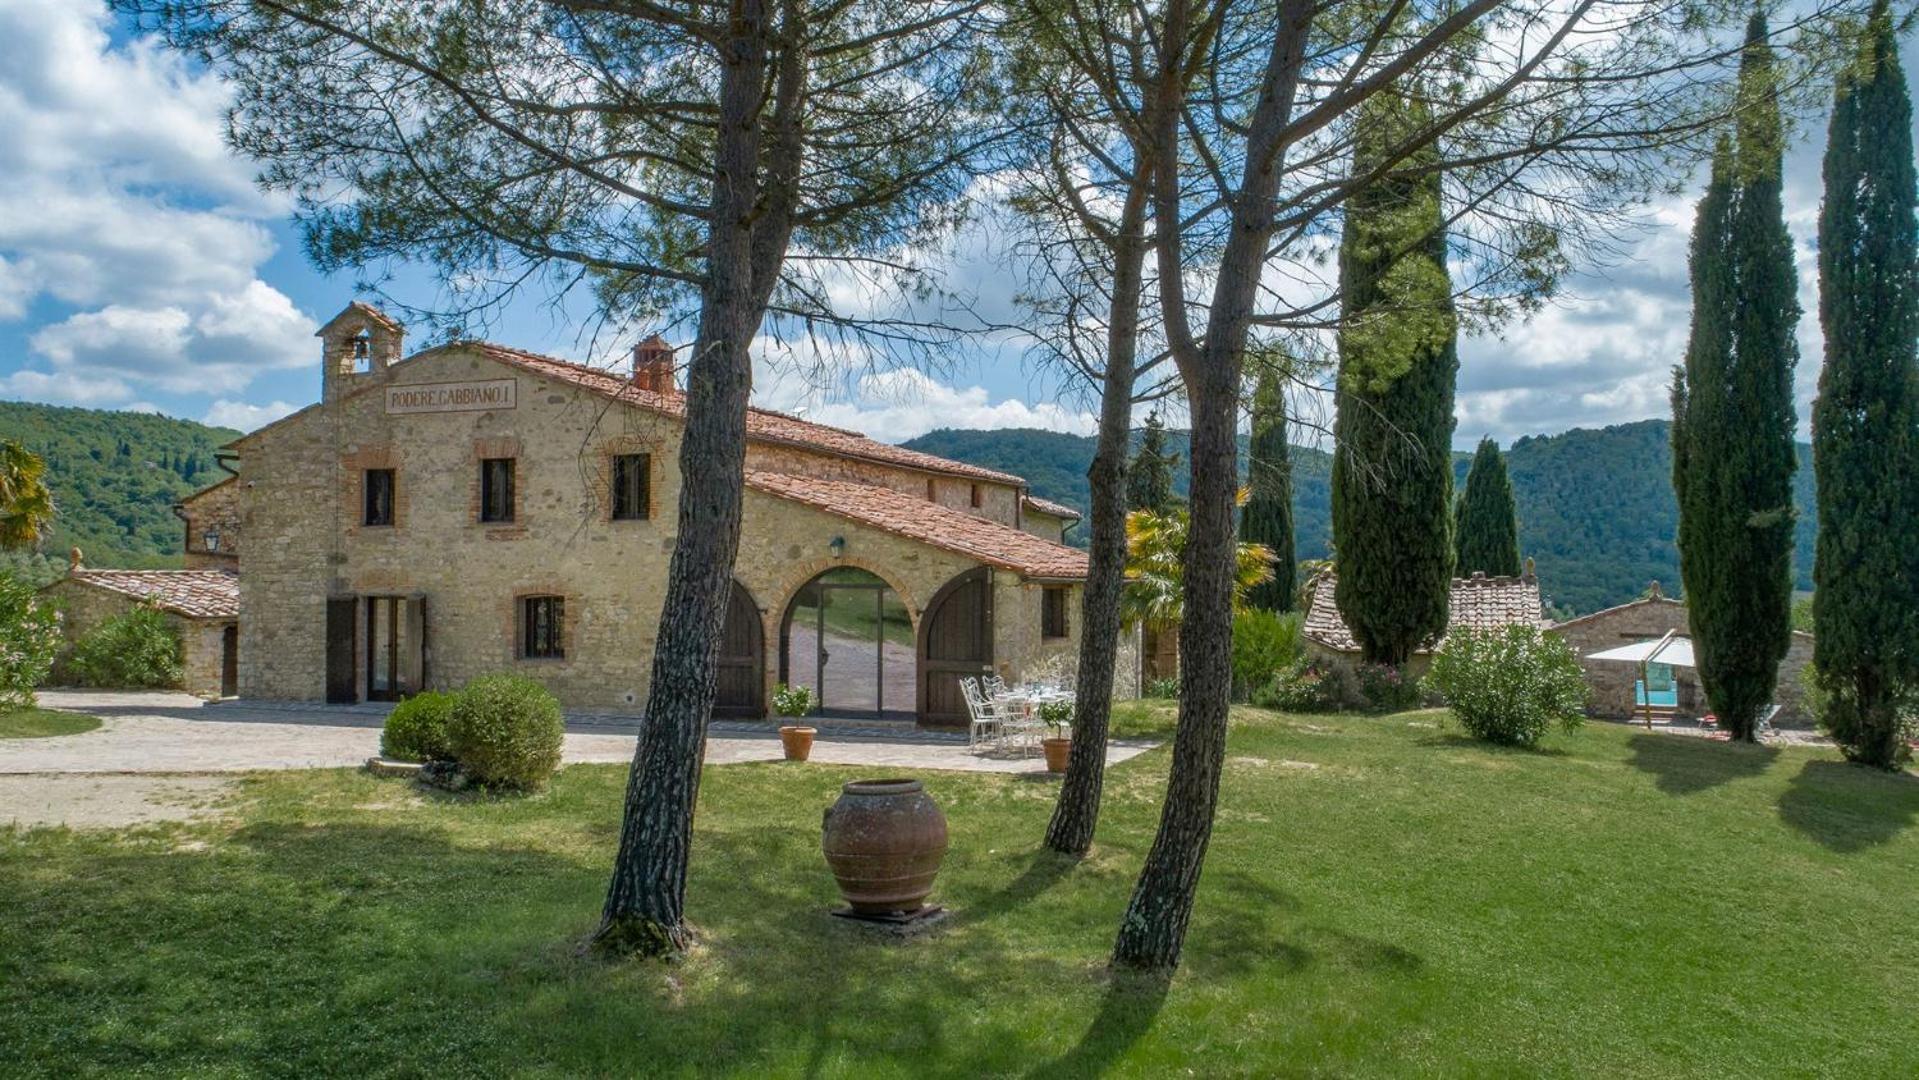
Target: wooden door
x=230 y=661
x=956 y=641
x=342 y=682
x=740 y=685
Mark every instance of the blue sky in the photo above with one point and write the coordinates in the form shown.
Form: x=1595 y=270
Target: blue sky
x=140 y=268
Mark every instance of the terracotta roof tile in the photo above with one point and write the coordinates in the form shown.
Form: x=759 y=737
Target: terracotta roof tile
x=1484 y=603
x=938 y=526
x=197 y=594
x=764 y=425
x=1048 y=506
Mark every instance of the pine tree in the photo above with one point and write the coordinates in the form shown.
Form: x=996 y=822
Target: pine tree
x=1398 y=359
x=1733 y=455
x=1268 y=516
x=1149 y=479
x=1486 y=525
x=1866 y=421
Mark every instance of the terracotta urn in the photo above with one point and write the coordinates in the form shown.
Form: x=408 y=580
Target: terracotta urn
x=797 y=741
x=884 y=840
x=1058 y=751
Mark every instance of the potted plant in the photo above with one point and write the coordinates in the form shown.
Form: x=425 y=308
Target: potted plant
x=791 y=703
x=1058 y=716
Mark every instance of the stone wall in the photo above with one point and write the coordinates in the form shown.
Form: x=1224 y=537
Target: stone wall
x=1613 y=682
x=305 y=543
x=84 y=607
x=213 y=529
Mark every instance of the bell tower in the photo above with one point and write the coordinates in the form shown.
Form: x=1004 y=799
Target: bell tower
x=356 y=347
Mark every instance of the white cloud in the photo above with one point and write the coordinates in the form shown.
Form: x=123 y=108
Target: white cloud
x=242 y=416
x=219 y=347
x=66 y=388
x=893 y=406
x=120 y=202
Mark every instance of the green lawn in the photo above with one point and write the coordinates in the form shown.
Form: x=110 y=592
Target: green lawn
x=40 y=723
x=1382 y=898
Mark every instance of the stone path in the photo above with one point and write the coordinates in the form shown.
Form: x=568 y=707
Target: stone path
x=146 y=736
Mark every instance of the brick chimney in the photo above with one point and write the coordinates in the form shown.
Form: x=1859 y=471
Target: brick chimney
x=653 y=366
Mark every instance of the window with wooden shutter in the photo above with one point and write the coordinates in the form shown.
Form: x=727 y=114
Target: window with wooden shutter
x=1052 y=611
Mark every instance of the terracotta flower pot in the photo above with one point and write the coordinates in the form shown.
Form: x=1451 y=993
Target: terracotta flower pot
x=797 y=741
x=1057 y=753
x=884 y=840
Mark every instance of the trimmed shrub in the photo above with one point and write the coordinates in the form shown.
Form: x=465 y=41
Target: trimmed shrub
x=138 y=649
x=1509 y=685
x=29 y=638
x=505 y=731
x=416 y=729
x=1265 y=643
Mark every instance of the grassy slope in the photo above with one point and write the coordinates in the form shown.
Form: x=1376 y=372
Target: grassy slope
x=42 y=723
x=1618 y=904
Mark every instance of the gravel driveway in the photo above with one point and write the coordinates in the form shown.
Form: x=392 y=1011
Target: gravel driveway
x=158 y=756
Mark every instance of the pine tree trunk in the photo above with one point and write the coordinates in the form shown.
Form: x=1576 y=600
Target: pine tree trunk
x=1154 y=928
x=1077 y=812
x=645 y=904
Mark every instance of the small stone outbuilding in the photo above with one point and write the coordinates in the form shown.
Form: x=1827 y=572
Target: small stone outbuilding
x=203 y=606
x=1479 y=602
x=1615 y=686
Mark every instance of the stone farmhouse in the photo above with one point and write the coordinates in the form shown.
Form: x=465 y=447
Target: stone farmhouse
x=474 y=508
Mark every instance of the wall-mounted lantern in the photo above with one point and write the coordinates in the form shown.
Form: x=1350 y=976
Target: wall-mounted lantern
x=837 y=546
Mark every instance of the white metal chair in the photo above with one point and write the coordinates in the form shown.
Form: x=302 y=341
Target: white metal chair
x=984 y=713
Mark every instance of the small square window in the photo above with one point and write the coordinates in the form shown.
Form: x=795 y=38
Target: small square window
x=496 y=490
x=379 y=497
x=1052 y=611
x=632 y=486
x=542 y=627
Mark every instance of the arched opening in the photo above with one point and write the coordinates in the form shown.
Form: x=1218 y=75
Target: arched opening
x=740 y=686
x=956 y=642
x=848 y=637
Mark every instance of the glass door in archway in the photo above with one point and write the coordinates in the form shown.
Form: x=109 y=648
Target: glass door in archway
x=850 y=640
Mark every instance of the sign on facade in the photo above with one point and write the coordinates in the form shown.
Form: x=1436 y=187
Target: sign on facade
x=477 y=396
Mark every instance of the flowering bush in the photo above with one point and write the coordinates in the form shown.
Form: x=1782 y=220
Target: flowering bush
x=1510 y=685
x=1336 y=686
x=29 y=636
x=136 y=649
x=792 y=701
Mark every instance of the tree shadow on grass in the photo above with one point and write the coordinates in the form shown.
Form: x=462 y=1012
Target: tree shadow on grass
x=1044 y=869
x=1683 y=765
x=1849 y=808
x=1126 y=1013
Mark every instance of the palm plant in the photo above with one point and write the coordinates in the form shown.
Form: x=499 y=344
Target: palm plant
x=1155 y=567
x=26 y=506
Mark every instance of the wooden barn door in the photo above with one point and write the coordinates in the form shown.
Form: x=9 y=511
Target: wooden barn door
x=741 y=683
x=342 y=672
x=956 y=641
x=229 y=661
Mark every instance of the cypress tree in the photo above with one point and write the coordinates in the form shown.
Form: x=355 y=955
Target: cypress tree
x=1487 y=526
x=1733 y=413
x=1149 y=479
x=1865 y=441
x=1393 y=425
x=1268 y=517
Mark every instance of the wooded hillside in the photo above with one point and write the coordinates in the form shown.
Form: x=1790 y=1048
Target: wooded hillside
x=1596 y=507
x=115 y=477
